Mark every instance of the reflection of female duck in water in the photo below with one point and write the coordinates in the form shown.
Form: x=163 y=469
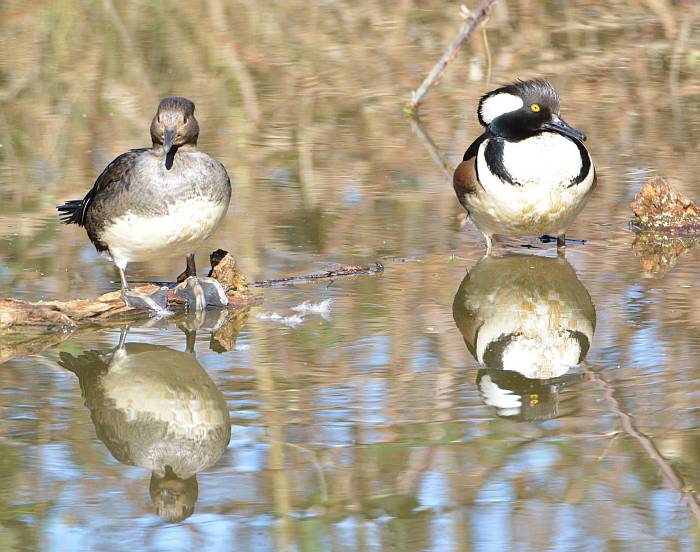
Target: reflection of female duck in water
x=156 y=408
x=527 y=320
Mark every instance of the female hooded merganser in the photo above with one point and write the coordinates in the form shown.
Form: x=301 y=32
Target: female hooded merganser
x=529 y=173
x=156 y=408
x=166 y=199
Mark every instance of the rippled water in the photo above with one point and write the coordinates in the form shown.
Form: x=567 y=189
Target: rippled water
x=402 y=416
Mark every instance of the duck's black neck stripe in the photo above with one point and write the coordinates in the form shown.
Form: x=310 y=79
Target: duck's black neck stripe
x=585 y=163
x=474 y=148
x=494 y=160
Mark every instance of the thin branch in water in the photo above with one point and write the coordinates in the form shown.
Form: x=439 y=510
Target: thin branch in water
x=668 y=472
x=436 y=154
x=475 y=17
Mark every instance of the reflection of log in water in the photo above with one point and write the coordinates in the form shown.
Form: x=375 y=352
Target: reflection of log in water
x=156 y=408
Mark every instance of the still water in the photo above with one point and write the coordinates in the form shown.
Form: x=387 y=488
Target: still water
x=398 y=414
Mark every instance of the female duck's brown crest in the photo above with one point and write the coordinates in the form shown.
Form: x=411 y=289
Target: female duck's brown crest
x=174 y=124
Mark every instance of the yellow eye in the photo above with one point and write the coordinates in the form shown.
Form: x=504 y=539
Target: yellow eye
x=535 y=107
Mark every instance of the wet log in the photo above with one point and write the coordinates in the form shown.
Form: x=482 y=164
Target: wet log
x=23 y=316
x=225 y=269
x=667 y=225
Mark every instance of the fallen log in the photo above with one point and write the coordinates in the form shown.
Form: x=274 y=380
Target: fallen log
x=23 y=316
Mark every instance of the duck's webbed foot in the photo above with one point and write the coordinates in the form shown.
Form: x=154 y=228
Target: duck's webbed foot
x=201 y=292
x=156 y=302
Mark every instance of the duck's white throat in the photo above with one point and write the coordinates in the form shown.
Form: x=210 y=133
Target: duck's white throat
x=498 y=104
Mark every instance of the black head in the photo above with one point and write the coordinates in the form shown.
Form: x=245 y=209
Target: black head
x=174 y=498
x=523 y=109
x=174 y=124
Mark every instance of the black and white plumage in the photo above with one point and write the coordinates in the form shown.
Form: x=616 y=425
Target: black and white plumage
x=529 y=173
x=166 y=199
x=527 y=320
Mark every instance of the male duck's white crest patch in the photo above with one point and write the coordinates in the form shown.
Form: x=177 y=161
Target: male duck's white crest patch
x=498 y=104
x=507 y=402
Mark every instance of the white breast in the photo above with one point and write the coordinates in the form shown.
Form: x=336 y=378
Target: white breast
x=186 y=225
x=190 y=408
x=547 y=159
x=541 y=321
x=544 y=202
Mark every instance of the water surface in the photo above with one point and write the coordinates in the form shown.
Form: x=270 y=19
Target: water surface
x=400 y=417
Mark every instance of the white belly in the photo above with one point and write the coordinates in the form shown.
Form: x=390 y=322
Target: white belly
x=138 y=238
x=544 y=202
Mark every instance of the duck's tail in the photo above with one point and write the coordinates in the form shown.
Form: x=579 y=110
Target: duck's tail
x=71 y=212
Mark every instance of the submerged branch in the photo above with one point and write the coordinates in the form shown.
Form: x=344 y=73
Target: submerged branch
x=345 y=270
x=436 y=154
x=476 y=16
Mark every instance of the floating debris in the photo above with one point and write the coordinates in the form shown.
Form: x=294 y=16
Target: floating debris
x=344 y=270
x=659 y=208
x=323 y=308
x=667 y=225
x=291 y=321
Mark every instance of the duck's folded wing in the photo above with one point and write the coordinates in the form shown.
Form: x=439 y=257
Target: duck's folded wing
x=113 y=178
x=466 y=178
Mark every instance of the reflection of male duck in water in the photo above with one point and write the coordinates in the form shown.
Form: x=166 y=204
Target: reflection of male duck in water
x=528 y=320
x=156 y=408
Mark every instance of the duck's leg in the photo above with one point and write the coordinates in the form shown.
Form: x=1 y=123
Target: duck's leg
x=200 y=291
x=191 y=269
x=157 y=302
x=489 y=244
x=561 y=245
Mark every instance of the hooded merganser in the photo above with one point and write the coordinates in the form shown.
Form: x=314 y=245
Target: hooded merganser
x=527 y=320
x=166 y=199
x=529 y=173
x=156 y=408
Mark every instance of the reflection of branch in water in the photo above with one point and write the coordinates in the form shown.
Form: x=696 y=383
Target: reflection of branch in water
x=436 y=154
x=668 y=472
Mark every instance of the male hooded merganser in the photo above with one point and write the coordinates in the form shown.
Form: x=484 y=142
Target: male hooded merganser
x=166 y=199
x=528 y=321
x=529 y=173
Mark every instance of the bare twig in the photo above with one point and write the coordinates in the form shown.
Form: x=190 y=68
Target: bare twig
x=668 y=473
x=475 y=17
x=345 y=270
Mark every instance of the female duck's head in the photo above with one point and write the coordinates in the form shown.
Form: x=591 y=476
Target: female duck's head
x=523 y=109
x=174 y=125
